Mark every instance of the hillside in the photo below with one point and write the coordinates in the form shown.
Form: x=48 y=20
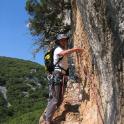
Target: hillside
x=22 y=91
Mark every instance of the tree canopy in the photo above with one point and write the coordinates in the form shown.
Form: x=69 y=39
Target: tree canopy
x=46 y=19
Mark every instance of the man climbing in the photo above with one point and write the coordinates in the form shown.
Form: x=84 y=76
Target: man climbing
x=57 y=76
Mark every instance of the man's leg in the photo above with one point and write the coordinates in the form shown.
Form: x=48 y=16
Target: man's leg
x=55 y=92
x=52 y=104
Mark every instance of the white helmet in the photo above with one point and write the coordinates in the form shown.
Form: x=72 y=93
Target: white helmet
x=61 y=36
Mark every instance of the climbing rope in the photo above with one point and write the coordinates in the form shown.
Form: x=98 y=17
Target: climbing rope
x=78 y=60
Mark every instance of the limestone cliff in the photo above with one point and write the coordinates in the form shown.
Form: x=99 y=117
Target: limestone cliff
x=98 y=28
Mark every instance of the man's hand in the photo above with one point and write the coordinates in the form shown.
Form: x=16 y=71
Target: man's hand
x=77 y=49
x=69 y=51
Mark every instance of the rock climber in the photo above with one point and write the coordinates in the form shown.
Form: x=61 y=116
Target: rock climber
x=57 y=76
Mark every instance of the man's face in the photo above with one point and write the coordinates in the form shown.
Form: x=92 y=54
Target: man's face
x=63 y=42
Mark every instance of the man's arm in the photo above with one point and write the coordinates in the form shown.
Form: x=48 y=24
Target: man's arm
x=69 y=51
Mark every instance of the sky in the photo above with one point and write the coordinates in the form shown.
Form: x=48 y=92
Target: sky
x=15 y=38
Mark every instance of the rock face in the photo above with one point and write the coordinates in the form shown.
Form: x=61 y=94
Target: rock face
x=3 y=91
x=98 y=28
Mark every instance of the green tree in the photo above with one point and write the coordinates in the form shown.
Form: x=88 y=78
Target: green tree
x=46 y=19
